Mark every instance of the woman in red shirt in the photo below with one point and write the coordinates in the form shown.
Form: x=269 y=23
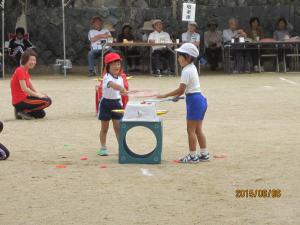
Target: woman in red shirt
x=29 y=103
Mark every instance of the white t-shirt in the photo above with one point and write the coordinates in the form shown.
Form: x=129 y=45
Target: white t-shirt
x=159 y=37
x=108 y=92
x=190 y=37
x=189 y=77
x=92 y=33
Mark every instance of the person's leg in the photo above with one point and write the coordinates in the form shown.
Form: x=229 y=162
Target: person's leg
x=18 y=58
x=214 y=59
x=38 y=114
x=116 y=124
x=192 y=157
x=103 y=135
x=239 y=61
x=36 y=104
x=208 y=56
x=91 y=59
x=31 y=104
x=200 y=135
x=191 y=130
x=204 y=154
x=156 y=61
x=247 y=61
x=171 y=61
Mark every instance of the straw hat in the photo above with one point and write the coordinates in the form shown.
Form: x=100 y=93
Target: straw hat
x=193 y=23
x=126 y=25
x=147 y=26
x=94 y=18
x=109 y=26
x=156 y=21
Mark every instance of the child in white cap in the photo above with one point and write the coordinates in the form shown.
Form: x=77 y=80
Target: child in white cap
x=196 y=103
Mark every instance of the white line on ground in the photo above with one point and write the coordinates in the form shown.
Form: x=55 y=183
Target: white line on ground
x=287 y=80
x=268 y=87
x=146 y=172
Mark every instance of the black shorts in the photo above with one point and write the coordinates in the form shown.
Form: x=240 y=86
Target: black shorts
x=105 y=109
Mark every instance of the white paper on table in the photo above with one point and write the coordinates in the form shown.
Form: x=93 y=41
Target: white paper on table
x=135 y=111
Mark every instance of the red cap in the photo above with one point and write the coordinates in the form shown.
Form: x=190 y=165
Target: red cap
x=111 y=57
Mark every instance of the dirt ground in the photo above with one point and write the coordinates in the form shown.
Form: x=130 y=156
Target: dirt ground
x=252 y=119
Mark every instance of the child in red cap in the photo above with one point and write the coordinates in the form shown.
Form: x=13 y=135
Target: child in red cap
x=112 y=90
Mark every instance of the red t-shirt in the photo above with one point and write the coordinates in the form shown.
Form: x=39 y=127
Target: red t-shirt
x=17 y=94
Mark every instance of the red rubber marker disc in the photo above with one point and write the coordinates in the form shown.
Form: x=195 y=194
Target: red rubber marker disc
x=84 y=158
x=61 y=166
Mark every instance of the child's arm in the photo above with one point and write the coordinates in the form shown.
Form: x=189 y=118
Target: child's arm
x=176 y=93
x=117 y=87
x=29 y=91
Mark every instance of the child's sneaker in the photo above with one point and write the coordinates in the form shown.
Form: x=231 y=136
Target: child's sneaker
x=24 y=116
x=2 y=154
x=102 y=152
x=204 y=157
x=190 y=159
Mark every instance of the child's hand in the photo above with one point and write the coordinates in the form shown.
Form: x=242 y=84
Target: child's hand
x=41 y=95
x=124 y=92
x=175 y=99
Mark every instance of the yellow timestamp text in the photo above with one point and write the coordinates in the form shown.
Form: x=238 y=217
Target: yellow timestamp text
x=258 y=193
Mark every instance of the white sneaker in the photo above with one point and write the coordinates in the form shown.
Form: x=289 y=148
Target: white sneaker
x=24 y=116
x=190 y=159
x=256 y=69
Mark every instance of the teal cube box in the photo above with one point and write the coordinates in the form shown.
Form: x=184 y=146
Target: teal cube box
x=127 y=155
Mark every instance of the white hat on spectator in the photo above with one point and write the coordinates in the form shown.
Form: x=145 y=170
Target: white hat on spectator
x=109 y=26
x=193 y=23
x=188 y=48
x=156 y=21
x=147 y=25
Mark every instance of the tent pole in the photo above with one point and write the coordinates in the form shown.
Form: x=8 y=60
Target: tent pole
x=64 y=37
x=3 y=37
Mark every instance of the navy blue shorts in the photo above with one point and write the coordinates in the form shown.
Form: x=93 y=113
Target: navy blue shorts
x=196 y=105
x=105 y=109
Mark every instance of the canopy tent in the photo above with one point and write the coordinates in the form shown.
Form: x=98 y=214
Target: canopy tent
x=65 y=3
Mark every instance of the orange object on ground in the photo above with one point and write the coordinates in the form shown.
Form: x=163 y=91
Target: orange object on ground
x=61 y=166
x=84 y=158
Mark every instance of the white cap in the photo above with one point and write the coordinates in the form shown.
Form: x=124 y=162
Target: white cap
x=193 y=23
x=156 y=21
x=188 y=48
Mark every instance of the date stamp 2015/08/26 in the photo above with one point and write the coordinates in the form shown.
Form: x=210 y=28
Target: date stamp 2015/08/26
x=258 y=193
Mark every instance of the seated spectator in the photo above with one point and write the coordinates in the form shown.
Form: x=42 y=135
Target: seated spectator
x=282 y=32
x=28 y=102
x=126 y=33
x=161 y=54
x=191 y=35
x=213 y=44
x=233 y=33
x=18 y=45
x=128 y=52
x=97 y=36
x=255 y=32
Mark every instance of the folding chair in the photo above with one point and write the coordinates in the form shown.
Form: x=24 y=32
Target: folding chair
x=274 y=55
x=294 y=55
